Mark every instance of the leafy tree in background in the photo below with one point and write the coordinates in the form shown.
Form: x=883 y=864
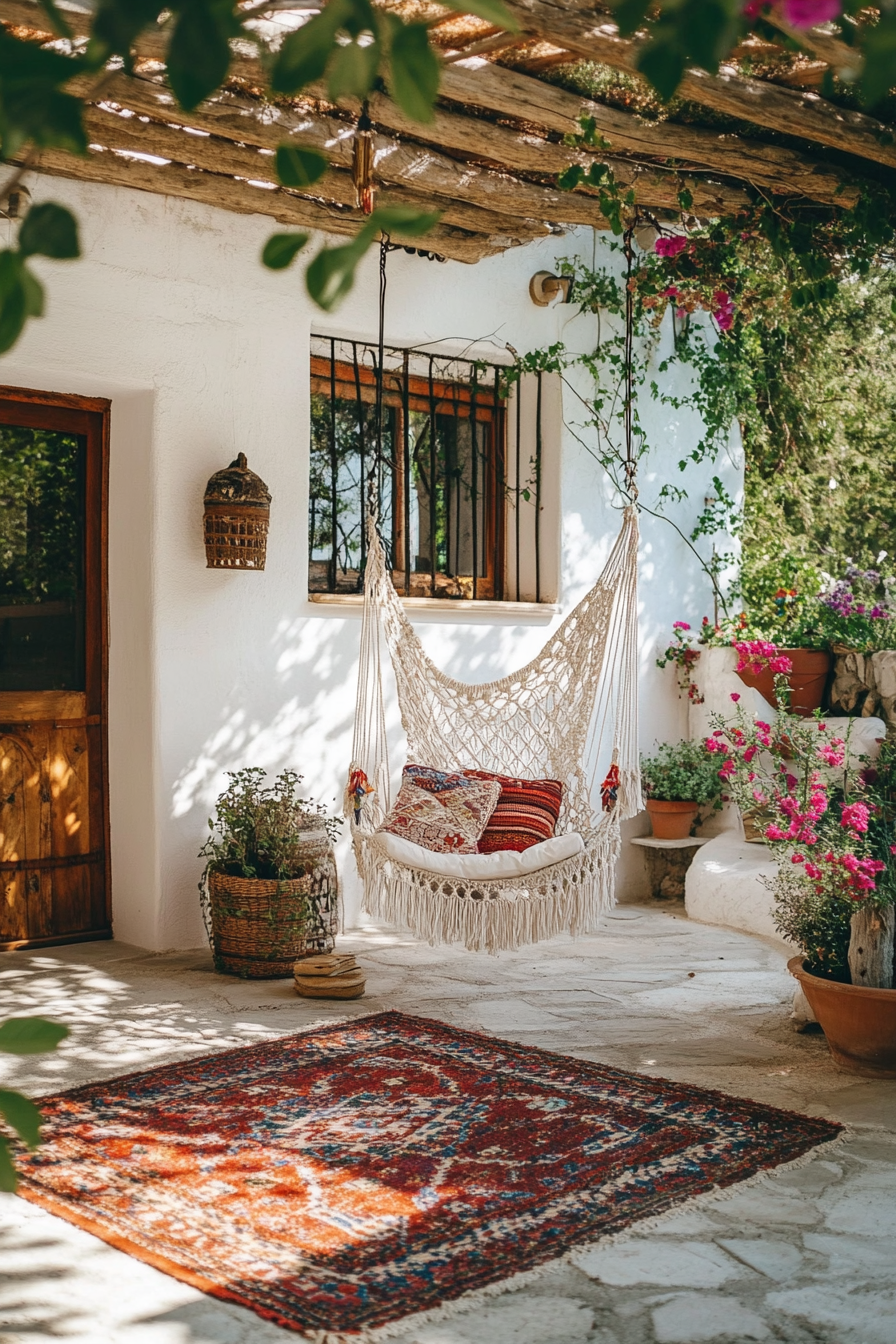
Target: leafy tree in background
x=818 y=411
x=355 y=47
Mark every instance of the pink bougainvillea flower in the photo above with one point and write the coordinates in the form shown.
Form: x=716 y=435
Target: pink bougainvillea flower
x=808 y=13
x=728 y=770
x=854 y=817
x=797 y=858
x=813 y=871
x=670 y=247
x=832 y=752
x=680 y=625
x=893 y=849
x=775 y=833
x=734 y=696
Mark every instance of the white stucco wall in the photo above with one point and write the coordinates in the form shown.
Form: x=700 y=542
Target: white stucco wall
x=204 y=354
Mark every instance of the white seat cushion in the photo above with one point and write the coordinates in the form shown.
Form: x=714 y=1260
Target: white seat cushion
x=479 y=867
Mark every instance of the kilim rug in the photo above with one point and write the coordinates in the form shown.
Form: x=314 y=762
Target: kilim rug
x=348 y=1177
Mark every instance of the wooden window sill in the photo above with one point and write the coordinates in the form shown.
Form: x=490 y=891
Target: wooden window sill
x=455 y=606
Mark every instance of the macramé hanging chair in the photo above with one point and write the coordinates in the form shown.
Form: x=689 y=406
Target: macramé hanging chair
x=569 y=714
x=566 y=715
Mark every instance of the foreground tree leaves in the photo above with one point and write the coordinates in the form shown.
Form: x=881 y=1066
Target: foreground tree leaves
x=281 y=249
x=357 y=47
x=48 y=230
x=23 y=1036
x=332 y=272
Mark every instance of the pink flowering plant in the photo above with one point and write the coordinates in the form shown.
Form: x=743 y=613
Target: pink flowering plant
x=683 y=655
x=828 y=821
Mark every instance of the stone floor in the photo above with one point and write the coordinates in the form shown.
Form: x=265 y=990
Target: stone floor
x=804 y=1257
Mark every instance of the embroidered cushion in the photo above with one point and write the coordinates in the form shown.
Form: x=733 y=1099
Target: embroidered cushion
x=449 y=822
x=526 y=813
x=433 y=781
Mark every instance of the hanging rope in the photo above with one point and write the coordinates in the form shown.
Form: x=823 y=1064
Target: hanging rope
x=631 y=463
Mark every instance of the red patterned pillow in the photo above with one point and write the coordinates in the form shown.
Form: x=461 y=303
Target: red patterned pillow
x=448 y=822
x=526 y=813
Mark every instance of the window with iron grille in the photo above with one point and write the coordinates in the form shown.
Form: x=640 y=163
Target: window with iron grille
x=440 y=471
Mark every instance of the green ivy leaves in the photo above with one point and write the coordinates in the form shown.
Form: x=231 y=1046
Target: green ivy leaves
x=612 y=198
x=30 y=1036
x=281 y=249
x=298 y=167
x=23 y=1036
x=33 y=106
x=352 y=44
x=332 y=272
x=47 y=230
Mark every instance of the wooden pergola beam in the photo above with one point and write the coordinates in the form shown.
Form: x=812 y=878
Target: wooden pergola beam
x=508 y=93
x=433 y=177
x=459 y=189
x=214 y=154
x=227 y=193
x=577 y=24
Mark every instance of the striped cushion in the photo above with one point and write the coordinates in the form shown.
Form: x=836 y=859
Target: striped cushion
x=526 y=813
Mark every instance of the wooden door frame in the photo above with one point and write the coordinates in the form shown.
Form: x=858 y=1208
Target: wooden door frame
x=89 y=417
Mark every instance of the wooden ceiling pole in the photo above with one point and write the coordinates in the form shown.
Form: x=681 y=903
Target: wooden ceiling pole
x=407 y=164
x=509 y=93
x=577 y=24
x=428 y=174
x=212 y=154
x=227 y=193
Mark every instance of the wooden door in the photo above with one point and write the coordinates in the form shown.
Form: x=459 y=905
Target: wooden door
x=54 y=847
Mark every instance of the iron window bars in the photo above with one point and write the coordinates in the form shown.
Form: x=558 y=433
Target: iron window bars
x=447 y=501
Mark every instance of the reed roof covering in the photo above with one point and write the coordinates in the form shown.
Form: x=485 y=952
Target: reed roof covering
x=490 y=157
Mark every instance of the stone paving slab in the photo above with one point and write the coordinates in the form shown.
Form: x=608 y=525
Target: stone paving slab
x=803 y=1257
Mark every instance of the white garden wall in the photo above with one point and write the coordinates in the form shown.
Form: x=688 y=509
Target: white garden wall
x=204 y=354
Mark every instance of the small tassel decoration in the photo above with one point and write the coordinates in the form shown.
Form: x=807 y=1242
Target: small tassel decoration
x=362 y=164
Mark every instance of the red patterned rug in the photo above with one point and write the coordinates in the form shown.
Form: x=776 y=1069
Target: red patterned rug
x=353 y=1175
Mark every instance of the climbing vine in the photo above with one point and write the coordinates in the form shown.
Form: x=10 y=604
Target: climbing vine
x=754 y=299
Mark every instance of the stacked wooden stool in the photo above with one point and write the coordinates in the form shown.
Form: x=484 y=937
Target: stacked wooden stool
x=330 y=975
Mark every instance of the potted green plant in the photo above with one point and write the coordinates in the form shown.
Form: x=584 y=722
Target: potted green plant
x=678 y=780
x=831 y=827
x=269 y=888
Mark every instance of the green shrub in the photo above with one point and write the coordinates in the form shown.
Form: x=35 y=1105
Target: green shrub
x=682 y=772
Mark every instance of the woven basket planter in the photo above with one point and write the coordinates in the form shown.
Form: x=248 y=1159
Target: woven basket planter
x=261 y=927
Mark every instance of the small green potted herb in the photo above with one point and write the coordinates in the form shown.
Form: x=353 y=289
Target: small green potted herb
x=678 y=780
x=269 y=889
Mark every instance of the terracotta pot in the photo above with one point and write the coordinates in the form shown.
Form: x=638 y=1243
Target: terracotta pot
x=859 y=1023
x=807 y=681
x=671 y=821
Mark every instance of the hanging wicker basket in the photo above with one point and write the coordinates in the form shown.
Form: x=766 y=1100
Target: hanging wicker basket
x=237 y=516
x=260 y=927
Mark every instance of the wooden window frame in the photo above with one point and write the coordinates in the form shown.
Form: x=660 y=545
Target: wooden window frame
x=403 y=393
